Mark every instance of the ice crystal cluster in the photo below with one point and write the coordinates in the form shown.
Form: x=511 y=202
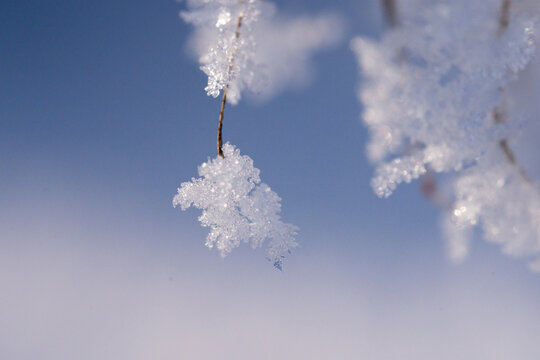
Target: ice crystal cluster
x=495 y=195
x=228 y=59
x=434 y=100
x=243 y=46
x=237 y=206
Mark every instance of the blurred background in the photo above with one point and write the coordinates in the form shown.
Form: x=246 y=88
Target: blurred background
x=103 y=115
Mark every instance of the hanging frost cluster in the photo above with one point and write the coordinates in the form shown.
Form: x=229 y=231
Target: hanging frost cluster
x=495 y=195
x=228 y=59
x=237 y=207
x=434 y=97
x=244 y=46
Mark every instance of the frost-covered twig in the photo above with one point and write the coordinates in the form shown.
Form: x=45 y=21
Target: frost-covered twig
x=459 y=54
x=271 y=52
x=243 y=47
x=499 y=115
x=228 y=55
x=235 y=204
x=229 y=73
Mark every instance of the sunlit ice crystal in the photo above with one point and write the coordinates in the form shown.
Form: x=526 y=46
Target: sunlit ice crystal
x=228 y=59
x=237 y=206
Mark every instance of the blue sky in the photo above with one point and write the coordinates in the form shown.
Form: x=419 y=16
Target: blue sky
x=103 y=115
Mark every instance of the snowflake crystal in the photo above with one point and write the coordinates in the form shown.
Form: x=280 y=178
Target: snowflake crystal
x=237 y=207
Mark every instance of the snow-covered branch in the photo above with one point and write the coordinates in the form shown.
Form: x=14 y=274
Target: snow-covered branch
x=270 y=53
x=437 y=83
x=243 y=47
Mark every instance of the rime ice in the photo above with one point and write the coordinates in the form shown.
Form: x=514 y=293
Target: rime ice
x=432 y=94
x=495 y=195
x=237 y=207
x=270 y=53
x=432 y=84
x=229 y=59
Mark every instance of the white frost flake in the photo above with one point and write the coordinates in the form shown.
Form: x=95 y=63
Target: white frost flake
x=237 y=207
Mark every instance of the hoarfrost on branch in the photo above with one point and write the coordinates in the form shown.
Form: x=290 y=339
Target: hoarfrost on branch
x=237 y=207
x=228 y=60
x=435 y=98
x=266 y=54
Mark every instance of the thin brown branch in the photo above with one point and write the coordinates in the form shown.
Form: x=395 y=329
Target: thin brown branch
x=500 y=116
x=220 y=126
x=224 y=99
x=510 y=156
x=504 y=16
x=390 y=12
